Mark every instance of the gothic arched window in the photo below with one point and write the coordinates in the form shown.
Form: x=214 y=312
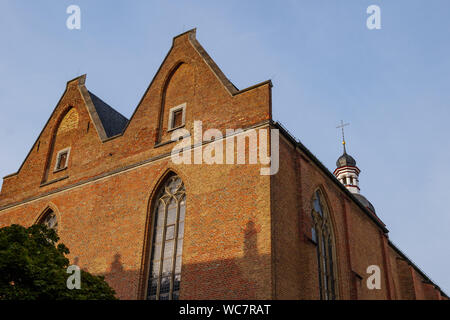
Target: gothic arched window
x=167 y=241
x=49 y=219
x=323 y=236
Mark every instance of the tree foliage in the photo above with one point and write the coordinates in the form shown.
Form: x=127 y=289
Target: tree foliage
x=33 y=266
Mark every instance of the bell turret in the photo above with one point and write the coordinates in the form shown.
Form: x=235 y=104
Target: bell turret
x=348 y=173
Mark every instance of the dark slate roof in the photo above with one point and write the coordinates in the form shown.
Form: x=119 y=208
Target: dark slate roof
x=345 y=160
x=366 y=203
x=113 y=122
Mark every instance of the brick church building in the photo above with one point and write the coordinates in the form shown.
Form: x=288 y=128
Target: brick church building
x=157 y=229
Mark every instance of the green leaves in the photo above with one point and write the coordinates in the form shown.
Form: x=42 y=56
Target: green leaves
x=33 y=266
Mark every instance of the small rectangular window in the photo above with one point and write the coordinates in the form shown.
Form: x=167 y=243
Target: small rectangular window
x=62 y=159
x=177 y=117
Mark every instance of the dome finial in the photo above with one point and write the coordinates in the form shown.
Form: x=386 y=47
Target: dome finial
x=343 y=136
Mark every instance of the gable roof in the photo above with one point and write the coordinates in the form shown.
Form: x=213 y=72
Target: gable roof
x=113 y=122
x=229 y=86
x=107 y=121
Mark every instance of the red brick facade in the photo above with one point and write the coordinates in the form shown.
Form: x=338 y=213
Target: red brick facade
x=247 y=235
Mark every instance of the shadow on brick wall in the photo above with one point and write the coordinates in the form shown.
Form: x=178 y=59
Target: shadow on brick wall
x=245 y=277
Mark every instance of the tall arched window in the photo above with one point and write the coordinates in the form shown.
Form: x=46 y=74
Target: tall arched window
x=49 y=219
x=322 y=233
x=167 y=241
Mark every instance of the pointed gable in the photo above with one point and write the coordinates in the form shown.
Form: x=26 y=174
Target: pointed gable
x=80 y=120
x=189 y=79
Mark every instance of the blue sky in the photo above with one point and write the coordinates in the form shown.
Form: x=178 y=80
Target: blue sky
x=392 y=85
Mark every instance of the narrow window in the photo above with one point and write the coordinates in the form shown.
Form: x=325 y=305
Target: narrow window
x=167 y=241
x=62 y=159
x=323 y=234
x=177 y=117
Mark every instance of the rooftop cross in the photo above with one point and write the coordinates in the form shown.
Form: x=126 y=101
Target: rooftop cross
x=342 y=128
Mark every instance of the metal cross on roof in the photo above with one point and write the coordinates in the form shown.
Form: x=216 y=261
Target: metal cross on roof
x=342 y=128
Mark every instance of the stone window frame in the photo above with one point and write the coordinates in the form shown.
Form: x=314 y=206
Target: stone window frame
x=58 y=157
x=171 y=118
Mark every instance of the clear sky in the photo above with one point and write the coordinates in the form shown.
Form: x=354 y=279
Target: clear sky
x=392 y=85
